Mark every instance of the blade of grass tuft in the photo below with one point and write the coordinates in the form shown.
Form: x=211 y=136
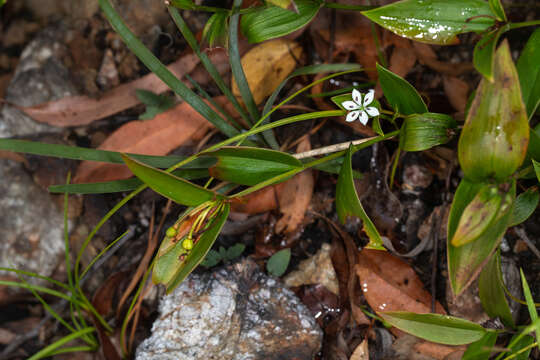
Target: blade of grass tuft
x=236 y=64
x=208 y=65
x=47 y=351
x=153 y=63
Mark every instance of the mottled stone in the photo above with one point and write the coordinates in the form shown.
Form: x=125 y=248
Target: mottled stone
x=233 y=313
x=40 y=77
x=31 y=226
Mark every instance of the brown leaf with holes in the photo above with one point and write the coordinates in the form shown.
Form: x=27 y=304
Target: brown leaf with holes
x=295 y=196
x=157 y=136
x=82 y=110
x=457 y=91
x=390 y=284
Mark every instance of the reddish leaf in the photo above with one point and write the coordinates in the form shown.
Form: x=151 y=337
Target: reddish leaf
x=158 y=136
x=82 y=110
x=390 y=284
x=457 y=91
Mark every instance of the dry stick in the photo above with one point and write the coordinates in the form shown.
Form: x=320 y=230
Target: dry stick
x=331 y=148
x=523 y=236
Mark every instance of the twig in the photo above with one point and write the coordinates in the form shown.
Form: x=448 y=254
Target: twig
x=523 y=236
x=331 y=148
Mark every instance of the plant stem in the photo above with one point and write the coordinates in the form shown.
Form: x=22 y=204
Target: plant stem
x=524 y=24
x=313 y=163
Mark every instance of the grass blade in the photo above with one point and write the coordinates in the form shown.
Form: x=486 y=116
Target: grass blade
x=154 y=65
x=47 y=351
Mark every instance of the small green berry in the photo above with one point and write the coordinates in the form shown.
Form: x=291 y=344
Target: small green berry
x=171 y=232
x=187 y=243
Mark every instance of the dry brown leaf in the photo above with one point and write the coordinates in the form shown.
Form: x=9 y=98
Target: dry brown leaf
x=267 y=65
x=82 y=110
x=157 y=136
x=295 y=196
x=10 y=155
x=390 y=284
x=258 y=202
x=361 y=352
x=438 y=351
x=402 y=60
x=457 y=91
x=427 y=56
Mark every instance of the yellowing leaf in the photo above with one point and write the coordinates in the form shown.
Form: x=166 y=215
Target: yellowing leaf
x=267 y=65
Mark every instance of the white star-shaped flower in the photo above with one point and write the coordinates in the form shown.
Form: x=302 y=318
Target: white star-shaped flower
x=360 y=109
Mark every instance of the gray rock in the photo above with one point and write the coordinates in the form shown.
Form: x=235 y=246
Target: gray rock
x=234 y=313
x=39 y=77
x=31 y=226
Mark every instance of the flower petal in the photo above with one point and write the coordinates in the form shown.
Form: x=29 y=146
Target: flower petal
x=363 y=117
x=353 y=115
x=350 y=105
x=372 y=111
x=368 y=98
x=357 y=96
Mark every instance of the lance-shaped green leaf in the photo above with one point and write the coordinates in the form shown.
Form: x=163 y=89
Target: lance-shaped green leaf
x=491 y=291
x=465 y=262
x=433 y=21
x=250 y=166
x=481 y=349
x=423 y=131
x=497 y=9
x=533 y=150
x=478 y=215
x=520 y=349
x=494 y=140
x=438 y=328
x=348 y=204
x=484 y=51
x=529 y=73
x=401 y=95
x=215 y=32
x=171 y=269
x=177 y=189
x=536 y=166
x=524 y=206
x=274 y=21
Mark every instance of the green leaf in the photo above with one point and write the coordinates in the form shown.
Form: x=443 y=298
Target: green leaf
x=272 y=22
x=497 y=9
x=478 y=215
x=481 y=349
x=491 y=291
x=401 y=95
x=46 y=351
x=184 y=4
x=465 y=262
x=423 y=131
x=278 y=263
x=484 y=51
x=524 y=206
x=348 y=204
x=433 y=21
x=235 y=251
x=177 y=189
x=215 y=31
x=494 y=139
x=536 y=166
x=438 y=328
x=529 y=73
x=211 y=259
x=155 y=103
x=120 y=185
x=250 y=166
x=531 y=306
x=171 y=271
x=2 y=2
x=533 y=150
